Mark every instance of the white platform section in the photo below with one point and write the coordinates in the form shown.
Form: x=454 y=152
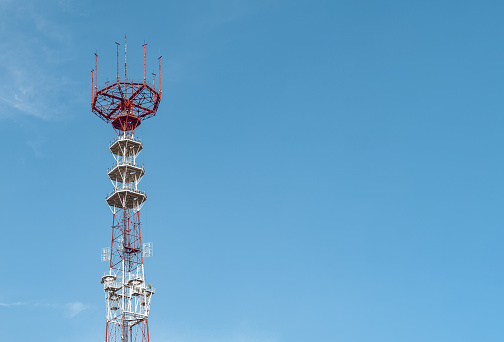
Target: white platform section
x=126 y=197
x=126 y=172
x=127 y=297
x=126 y=145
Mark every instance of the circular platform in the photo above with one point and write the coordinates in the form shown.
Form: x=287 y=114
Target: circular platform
x=127 y=198
x=126 y=104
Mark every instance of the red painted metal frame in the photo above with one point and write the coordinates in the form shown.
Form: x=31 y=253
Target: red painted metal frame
x=137 y=333
x=126 y=226
x=126 y=246
x=112 y=102
x=125 y=103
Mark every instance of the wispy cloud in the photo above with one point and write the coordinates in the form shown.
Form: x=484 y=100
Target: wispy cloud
x=71 y=309
x=33 y=50
x=12 y=304
x=75 y=308
x=36 y=145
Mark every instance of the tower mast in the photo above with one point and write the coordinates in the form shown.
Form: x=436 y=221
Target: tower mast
x=125 y=104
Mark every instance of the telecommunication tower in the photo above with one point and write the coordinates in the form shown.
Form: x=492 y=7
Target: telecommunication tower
x=125 y=103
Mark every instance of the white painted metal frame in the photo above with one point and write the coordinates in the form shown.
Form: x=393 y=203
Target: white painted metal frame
x=126 y=293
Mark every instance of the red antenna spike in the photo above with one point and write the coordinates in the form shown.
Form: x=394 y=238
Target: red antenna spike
x=118 y=61
x=92 y=86
x=96 y=69
x=160 y=74
x=144 y=63
x=125 y=64
x=154 y=81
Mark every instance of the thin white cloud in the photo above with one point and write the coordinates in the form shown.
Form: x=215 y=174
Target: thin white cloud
x=12 y=304
x=71 y=309
x=36 y=147
x=75 y=308
x=34 y=49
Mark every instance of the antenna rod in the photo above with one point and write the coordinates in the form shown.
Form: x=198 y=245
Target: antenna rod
x=125 y=67
x=117 y=61
x=92 y=86
x=144 y=63
x=154 y=81
x=96 y=69
x=160 y=73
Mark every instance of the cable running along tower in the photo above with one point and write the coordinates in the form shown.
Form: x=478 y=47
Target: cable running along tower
x=125 y=104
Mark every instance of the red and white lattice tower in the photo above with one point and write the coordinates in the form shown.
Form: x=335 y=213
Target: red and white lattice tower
x=124 y=104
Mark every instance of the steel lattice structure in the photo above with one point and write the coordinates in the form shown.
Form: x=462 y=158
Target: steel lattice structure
x=125 y=104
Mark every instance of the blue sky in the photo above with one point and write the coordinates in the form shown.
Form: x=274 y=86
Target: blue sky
x=317 y=170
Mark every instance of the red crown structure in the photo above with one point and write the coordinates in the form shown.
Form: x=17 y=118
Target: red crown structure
x=125 y=103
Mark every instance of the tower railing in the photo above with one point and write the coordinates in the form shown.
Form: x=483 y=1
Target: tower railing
x=126 y=163
x=125 y=137
x=126 y=188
